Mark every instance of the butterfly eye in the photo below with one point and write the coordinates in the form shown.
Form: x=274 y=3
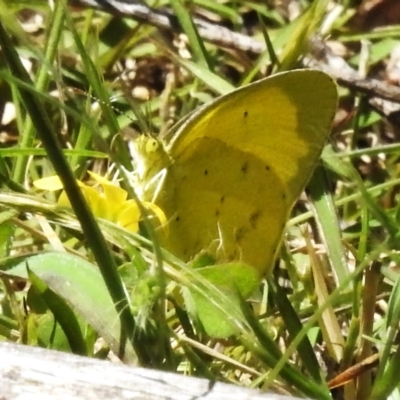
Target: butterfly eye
x=152 y=145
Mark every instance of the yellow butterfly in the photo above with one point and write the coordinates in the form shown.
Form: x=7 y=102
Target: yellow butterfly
x=230 y=175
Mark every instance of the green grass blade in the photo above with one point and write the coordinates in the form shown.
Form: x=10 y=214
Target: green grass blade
x=62 y=314
x=294 y=326
x=328 y=223
x=199 y=51
x=41 y=84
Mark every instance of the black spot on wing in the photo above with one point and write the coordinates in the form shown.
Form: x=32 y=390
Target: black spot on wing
x=239 y=234
x=267 y=167
x=222 y=199
x=205 y=172
x=254 y=218
x=245 y=114
x=244 y=167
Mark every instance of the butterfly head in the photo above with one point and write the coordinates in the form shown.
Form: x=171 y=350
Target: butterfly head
x=151 y=160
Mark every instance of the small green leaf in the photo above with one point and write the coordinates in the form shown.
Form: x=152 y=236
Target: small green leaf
x=221 y=317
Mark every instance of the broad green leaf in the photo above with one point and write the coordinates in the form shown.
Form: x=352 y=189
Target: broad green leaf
x=63 y=314
x=80 y=284
x=235 y=282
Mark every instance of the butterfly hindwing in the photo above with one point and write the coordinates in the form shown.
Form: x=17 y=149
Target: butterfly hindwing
x=217 y=203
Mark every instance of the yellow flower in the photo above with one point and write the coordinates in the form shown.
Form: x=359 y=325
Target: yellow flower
x=109 y=203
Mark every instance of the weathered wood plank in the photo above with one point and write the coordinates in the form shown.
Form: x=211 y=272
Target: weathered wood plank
x=29 y=373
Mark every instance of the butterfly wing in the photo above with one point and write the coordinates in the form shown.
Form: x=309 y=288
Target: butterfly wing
x=283 y=120
x=225 y=202
x=240 y=163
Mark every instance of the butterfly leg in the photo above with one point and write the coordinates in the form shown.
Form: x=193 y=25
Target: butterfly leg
x=160 y=179
x=227 y=249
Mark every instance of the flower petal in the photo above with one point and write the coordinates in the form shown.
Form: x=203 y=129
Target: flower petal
x=129 y=216
x=50 y=183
